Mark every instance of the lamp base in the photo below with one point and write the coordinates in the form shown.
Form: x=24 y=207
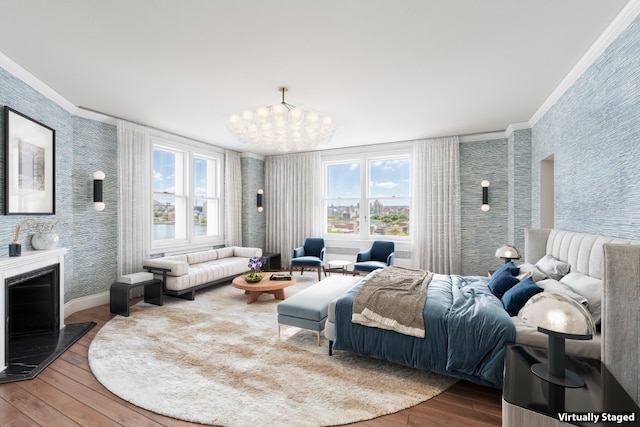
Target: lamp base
x=570 y=379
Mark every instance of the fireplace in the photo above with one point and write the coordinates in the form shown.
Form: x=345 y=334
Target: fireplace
x=32 y=304
x=33 y=300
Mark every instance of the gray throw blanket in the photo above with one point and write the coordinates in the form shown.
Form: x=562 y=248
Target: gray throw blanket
x=393 y=299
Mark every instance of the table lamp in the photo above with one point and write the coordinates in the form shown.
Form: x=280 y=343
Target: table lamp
x=562 y=318
x=508 y=252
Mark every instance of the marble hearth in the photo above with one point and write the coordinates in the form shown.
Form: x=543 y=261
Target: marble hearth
x=32 y=305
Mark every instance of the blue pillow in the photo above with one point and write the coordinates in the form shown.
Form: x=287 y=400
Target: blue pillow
x=511 y=267
x=502 y=280
x=515 y=298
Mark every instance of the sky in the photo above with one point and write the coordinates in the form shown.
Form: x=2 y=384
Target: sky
x=388 y=178
x=164 y=179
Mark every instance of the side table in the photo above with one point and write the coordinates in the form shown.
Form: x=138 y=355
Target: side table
x=274 y=262
x=338 y=266
x=529 y=401
x=120 y=294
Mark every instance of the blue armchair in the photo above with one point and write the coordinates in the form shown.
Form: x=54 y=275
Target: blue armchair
x=309 y=256
x=380 y=255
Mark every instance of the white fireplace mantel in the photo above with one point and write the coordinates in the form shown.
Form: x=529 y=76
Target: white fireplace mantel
x=13 y=266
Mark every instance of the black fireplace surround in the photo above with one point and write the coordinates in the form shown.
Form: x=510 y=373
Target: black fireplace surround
x=33 y=335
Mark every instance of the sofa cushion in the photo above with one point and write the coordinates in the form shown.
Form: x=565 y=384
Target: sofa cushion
x=224 y=252
x=207 y=272
x=240 y=251
x=178 y=264
x=203 y=256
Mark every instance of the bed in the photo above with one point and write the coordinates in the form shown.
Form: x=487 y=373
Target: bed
x=466 y=325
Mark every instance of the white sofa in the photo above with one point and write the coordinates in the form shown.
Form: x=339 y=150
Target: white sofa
x=183 y=275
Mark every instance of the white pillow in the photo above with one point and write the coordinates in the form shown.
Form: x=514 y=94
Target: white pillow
x=577 y=319
x=551 y=285
x=553 y=268
x=590 y=288
x=529 y=270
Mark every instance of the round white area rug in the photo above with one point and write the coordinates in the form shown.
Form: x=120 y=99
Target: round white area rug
x=219 y=361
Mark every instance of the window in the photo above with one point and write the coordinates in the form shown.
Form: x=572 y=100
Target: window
x=368 y=197
x=389 y=197
x=186 y=195
x=343 y=198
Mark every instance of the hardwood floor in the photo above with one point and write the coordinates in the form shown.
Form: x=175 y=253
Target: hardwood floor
x=67 y=394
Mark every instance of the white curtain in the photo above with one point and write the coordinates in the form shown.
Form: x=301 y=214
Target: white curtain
x=436 y=231
x=232 y=199
x=293 y=201
x=134 y=196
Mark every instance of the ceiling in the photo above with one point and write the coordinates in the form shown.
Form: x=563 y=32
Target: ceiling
x=386 y=70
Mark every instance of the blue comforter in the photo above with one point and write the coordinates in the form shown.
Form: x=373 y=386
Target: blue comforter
x=466 y=329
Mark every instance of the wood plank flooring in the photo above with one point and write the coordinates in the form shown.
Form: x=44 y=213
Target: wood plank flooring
x=67 y=394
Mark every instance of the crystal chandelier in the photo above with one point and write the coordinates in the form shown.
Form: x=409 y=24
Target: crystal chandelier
x=282 y=126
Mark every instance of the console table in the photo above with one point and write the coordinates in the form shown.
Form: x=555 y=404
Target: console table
x=528 y=401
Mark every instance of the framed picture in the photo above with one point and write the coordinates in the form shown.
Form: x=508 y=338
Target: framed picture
x=29 y=165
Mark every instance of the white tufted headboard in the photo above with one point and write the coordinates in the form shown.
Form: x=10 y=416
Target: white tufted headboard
x=617 y=263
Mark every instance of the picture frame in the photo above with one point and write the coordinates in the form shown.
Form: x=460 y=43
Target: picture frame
x=29 y=165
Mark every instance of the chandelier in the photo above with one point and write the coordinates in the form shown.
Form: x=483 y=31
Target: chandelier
x=282 y=126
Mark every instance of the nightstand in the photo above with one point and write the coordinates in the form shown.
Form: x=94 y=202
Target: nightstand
x=528 y=401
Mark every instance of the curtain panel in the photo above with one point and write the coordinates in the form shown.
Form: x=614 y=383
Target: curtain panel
x=232 y=198
x=293 y=201
x=436 y=195
x=134 y=196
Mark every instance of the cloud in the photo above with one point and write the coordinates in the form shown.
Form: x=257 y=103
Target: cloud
x=388 y=185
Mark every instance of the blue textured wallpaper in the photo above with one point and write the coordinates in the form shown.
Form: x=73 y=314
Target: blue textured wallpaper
x=593 y=131
x=82 y=147
x=253 y=222
x=483 y=232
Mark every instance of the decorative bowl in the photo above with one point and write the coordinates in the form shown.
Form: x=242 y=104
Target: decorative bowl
x=253 y=277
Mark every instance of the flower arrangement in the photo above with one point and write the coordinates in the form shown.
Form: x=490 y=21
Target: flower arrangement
x=255 y=266
x=43 y=226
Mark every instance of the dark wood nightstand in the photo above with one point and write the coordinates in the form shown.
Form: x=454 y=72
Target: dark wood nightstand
x=528 y=401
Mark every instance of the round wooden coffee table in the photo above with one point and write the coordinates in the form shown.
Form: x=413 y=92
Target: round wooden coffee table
x=265 y=286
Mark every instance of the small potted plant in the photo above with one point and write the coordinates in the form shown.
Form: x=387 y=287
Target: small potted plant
x=255 y=266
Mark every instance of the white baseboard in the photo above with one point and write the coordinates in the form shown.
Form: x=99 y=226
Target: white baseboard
x=84 y=303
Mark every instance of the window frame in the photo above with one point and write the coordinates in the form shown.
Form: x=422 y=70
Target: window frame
x=365 y=159
x=189 y=150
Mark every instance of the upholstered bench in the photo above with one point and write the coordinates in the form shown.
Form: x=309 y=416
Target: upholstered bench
x=308 y=309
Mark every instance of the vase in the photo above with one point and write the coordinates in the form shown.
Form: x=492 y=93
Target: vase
x=253 y=277
x=43 y=241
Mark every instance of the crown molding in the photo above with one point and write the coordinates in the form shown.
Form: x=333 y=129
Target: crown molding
x=487 y=136
x=19 y=72
x=251 y=156
x=620 y=23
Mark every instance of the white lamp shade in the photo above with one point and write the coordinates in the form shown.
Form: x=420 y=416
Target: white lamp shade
x=99 y=175
x=555 y=312
x=508 y=252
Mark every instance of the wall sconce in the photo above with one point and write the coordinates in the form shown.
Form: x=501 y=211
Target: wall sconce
x=485 y=196
x=259 y=200
x=98 y=179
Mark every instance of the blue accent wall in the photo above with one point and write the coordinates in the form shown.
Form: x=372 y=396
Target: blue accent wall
x=253 y=222
x=483 y=232
x=593 y=132
x=82 y=147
